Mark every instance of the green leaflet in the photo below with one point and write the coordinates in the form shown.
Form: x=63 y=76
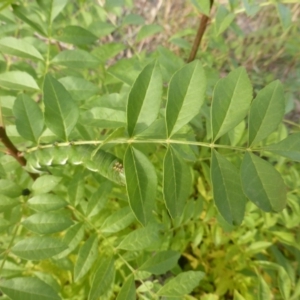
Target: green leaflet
x=227 y=189
x=289 y=147
x=266 y=113
x=185 y=96
x=18 y=80
x=262 y=183
x=29 y=118
x=128 y=290
x=231 y=100
x=52 y=8
x=141 y=183
x=21 y=288
x=102 y=162
x=177 y=182
x=144 y=99
x=61 y=111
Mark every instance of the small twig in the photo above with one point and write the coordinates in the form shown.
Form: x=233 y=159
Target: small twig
x=13 y=151
x=199 y=36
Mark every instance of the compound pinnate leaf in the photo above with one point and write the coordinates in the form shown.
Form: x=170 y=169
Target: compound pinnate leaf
x=161 y=262
x=289 y=147
x=47 y=222
x=177 y=181
x=185 y=96
x=25 y=288
x=103 y=278
x=227 y=189
x=141 y=182
x=29 y=118
x=231 y=101
x=128 y=290
x=38 y=247
x=61 y=111
x=144 y=99
x=182 y=284
x=263 y=184
x=87 y=255
x=266 y=113
x=20 y=48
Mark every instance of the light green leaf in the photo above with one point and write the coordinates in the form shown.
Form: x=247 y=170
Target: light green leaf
x=28 y=288
x=79 y=88
x=38 y=247
x=285 y=15
x=262 y=184
x=231 y=100
x=118 y=220
x=133 y=19
x=289 y=147
x=185 y=96
x=177 y=182
x=284 y=283
x=87 y=255
x=161 y=262
x=46 y=202
x=236 y=133
x=61 y=111
x=266 y=113
x=18 y=80
x=29 y=118
x=147 y=31
x=47 y=222
x=140 y=239
x=144 y=99
x=76 y=59
x=72 y=238
x=264 y=291
x=45 y=184
x=20 y=48
x=227 y=189
x=238 y=296
x=128 y=290
x=7 y=203
x=9 y=188
x=52 y=8
x=141 y=182
x=223 y=19
x=103 y=279
x=182 y=284
x=203 y=6
x=75 y=35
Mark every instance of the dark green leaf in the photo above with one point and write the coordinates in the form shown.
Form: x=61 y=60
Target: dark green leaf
x=227 y=189
x=231 y=101
x=141 y=182
x=7 y=203
x=266 y=113
x=128 y=290
x=161 y=262
x=262 y=183
x=29 y=118
x=61 y=112
x=103 y=279
x=144 y=99
x=185 y=96
x=38 y=248
x=28 y=288
x=177 y=182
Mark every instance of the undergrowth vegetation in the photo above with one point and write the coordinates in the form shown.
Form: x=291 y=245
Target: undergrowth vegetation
x=145 y=158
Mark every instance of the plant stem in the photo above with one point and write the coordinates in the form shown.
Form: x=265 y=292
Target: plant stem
x=13 y=151
x=199 y=35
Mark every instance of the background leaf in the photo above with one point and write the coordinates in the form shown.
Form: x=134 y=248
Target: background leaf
x=231 y=101
x=128 y=290
x=266 y=113
x=144 y=99
x=227 y=189
x=29 y=118
x=141 y=182
x=61 y=112
x=262 y=184
x=185 y=96
x=177 y=182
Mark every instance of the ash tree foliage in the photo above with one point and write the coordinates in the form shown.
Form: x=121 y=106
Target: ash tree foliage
x=129 y=166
